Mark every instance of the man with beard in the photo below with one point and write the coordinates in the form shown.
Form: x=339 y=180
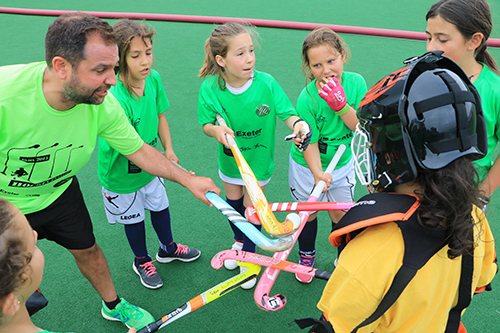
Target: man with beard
x=51 y=114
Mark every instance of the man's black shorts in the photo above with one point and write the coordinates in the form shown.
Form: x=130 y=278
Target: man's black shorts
x=66 y=221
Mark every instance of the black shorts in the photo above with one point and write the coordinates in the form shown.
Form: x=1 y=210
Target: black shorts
x=66 y=221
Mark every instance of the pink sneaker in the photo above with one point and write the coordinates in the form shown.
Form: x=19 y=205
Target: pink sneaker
x=305 y=261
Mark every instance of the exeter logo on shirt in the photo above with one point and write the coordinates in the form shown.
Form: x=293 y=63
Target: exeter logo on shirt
x=262 y=110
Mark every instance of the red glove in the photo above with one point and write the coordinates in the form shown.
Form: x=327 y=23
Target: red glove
x=334 y=95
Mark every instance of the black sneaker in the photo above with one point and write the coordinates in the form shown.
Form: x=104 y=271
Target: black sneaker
x=149 y=277
x=183 y=253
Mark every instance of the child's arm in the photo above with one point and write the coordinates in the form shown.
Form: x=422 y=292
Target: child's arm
x=302 y=131
x=333 y=93
x=313 y=160
x=218 y=132
x=166 y=140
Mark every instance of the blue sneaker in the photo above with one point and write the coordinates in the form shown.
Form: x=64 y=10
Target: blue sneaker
x=306 y=261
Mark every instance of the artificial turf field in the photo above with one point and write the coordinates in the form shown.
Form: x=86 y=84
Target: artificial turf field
x=74 y=306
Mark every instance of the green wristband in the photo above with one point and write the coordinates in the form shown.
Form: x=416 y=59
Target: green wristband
x=344 y=110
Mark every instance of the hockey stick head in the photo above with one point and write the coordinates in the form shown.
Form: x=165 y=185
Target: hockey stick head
x=271 y=304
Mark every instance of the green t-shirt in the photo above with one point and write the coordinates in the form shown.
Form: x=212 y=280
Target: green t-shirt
x=42 y=148
x=488 y=86
x=252 y=117
x=328 y=129
x=115 y=171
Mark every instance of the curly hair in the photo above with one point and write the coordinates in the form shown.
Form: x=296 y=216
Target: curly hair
x=447 y=199
x=14 y=259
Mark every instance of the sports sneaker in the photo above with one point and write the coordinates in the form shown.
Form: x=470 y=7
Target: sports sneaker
x=305 y=261
x=231 y=264
x=149 y=277
x=250 y=284
x=183 y=253
x=130 y=315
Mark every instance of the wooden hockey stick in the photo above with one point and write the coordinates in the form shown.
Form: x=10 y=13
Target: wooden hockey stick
x=259 y=259
x=259 y=201
x=252 y=216
x=206 y=297
x=254 y=234
x=266 y=281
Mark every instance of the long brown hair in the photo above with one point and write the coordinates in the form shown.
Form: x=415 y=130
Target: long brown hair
x=469 y=17
x=218 y=44
x=125 y=31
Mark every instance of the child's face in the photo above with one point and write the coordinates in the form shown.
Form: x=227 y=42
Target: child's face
x=139 y=59
x=34 y=270
x=325 y=63
x=444 y=36
x=239 y=61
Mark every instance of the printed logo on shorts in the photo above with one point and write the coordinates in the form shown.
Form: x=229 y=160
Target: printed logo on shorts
x=262 y=110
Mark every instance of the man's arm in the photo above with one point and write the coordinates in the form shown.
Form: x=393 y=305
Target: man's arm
x=155 y=163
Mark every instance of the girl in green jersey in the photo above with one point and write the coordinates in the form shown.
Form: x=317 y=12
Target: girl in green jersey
x=461 y=28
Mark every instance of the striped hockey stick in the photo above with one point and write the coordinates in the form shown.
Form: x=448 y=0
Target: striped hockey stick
x=255 y=258
x=254 y=234
x=266 y=281
x=204 y=298
x=253 y=217
x=259 y=201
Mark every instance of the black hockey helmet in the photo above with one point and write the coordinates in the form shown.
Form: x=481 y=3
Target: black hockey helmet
x=424 y=115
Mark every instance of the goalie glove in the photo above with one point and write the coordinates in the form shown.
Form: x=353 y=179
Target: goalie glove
x=334 y=95
x=305 y=130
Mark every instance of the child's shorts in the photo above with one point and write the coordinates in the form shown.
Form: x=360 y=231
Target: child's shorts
x=301 y=181
x=129 y=208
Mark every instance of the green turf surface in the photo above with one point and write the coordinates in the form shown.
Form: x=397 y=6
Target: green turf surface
x=74 y=305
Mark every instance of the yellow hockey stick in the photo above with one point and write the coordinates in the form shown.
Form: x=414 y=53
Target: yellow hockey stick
x=259 y=201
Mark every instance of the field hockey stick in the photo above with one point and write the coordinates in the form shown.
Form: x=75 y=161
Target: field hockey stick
x=252 y=216
x=259 y=259
x=266 y=281
x=259 y=201
x=254 y=234
x=206 y=297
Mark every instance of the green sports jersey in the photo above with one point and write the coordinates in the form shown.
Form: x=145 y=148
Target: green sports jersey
x=116 y=172
x=488 y=86
x=252 y=117
x=42 y=148
x=328 y=129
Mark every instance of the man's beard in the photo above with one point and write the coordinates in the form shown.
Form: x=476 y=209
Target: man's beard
x=75 y=92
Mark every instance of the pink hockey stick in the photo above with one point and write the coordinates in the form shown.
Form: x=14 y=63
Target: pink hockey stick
x=268 y=277
x=253 y=217
x=259 y=259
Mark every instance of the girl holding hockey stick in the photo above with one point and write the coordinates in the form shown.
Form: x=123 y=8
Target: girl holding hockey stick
x=461 y=28
x=324 y=54
x=249 y=102
x=127 y=190
x=417 y=250
x=21 y=270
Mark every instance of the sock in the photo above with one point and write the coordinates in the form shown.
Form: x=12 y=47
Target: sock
x=111 y=305
x=136 y=236
x=307 y=238
x=238 y=206
x=161 y=224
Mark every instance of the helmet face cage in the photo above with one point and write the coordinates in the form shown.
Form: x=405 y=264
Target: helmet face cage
x=361 y=148
x=417 y=116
